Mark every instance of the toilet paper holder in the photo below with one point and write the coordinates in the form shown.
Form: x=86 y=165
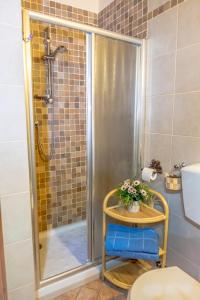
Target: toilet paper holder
x=150 y=173
x=156 y=165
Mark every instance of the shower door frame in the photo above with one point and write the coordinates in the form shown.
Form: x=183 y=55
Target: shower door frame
x=139 y=118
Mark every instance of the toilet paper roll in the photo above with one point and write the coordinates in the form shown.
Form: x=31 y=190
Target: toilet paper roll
x=148 y=174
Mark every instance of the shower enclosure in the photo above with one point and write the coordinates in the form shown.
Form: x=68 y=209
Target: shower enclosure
x=84 y=112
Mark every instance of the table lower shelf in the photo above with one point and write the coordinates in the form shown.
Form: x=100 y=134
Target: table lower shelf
x=125 y=274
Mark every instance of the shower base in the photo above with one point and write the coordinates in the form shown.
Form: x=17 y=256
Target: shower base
x=63 y=249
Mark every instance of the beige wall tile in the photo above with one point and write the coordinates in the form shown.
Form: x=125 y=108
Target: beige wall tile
x=14 y=16
x=175 y=201
x=185 y=149
x=160 y=148
x=11 y=59
x=14 y=172
x=170 y=149
x=153 y=4
x=188 y=244
x=174 y=258
x=26 y=292
x=16 y=217
x=188 y=69
x=187 y=114
x=12 y=113
x=188 y=23
x=19 y=264
x=161 y=110
x=162 y=75
x=162 y=33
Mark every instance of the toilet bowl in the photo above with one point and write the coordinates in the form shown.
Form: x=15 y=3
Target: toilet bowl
x=165 y=284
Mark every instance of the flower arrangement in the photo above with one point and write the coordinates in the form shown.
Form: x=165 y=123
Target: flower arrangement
x=134 y=191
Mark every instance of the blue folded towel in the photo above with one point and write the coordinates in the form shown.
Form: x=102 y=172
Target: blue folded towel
x=138 y=243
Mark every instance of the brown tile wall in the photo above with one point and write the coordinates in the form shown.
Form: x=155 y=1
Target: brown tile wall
x=127 y=17
x=62 y=11
x=130 y=17
x=61 y=183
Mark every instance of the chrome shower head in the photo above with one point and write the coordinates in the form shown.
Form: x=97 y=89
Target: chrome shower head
x=52 y=55
x=59 y=49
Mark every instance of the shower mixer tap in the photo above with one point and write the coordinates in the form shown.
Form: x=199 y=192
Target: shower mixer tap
x=49 y=59
x=47 y=98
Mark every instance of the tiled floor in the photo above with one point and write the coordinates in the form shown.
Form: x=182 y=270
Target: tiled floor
x=63 y=249
x=96 y=290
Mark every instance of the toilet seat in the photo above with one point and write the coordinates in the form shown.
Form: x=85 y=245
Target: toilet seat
x=164 y=284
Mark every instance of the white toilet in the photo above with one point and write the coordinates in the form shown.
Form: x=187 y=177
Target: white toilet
x=165 y=284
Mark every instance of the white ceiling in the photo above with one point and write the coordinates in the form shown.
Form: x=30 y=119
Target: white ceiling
x=91 y=5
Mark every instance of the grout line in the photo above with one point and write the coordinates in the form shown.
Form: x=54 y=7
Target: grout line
x=174 y=135
x=173 y=101
x=24 y=140
x=14 y=194
x=171 y=94
x=12 y=26
x=6 y=244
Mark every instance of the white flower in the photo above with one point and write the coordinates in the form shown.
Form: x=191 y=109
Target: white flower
x=144 y=193
x=127 y=181
x=136 y=182
x=123 y=188
x=132 y=190
x=126 y=185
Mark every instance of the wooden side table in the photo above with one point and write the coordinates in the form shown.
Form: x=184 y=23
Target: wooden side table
x=125 y=272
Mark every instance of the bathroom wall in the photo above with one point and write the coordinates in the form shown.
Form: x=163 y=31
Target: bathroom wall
x=173 y=133
x=131 y=17
x=14 y=173
x=173 y=125
x=125 y=17
x=173 y=107
x=61 y=182
x=85 y=5
x=94 y=6
x=64 y=11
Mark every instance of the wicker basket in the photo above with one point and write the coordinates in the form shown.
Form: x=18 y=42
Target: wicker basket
x=173 y=183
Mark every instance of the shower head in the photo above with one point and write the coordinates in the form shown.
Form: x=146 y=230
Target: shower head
x=59 y=49
x=52 y=55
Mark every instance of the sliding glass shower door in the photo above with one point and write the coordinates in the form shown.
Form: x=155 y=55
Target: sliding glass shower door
x=113 y=122
x=84 y=142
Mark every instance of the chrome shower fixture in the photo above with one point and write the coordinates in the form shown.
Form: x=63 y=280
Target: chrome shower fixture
x=49 y=59
x=52 y=55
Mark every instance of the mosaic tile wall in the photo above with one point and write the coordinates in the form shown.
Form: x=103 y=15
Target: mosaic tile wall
x=127 y=17
x=61 y=182
x=130 y=17
x=62 y=11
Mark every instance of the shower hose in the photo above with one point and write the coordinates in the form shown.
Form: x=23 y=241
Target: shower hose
x=43 y=155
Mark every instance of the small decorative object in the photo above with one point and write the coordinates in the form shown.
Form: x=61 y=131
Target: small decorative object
x=132 y=193
x=173 y=180
x=155 y=164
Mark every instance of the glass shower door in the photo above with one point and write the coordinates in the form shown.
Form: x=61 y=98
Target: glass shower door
x=113 y=122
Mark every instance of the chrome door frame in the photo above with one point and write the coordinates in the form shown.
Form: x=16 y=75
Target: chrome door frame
x=139 y=115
